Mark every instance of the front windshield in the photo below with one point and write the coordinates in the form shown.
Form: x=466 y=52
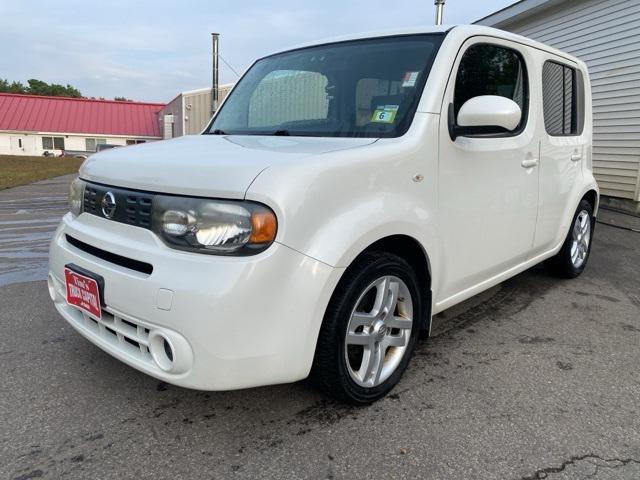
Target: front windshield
x=363 y=88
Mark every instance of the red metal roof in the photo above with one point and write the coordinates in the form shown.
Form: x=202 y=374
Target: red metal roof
x=32 y=113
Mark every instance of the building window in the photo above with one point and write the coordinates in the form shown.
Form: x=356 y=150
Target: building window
x=135 y=142
x=91 y=144
x=53 y=143
x=560 y=99
x=492 y=70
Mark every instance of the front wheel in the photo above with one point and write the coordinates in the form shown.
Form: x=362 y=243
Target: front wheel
x=572 y=258
x=370 y=329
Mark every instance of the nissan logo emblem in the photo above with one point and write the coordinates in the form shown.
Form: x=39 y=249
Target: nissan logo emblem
x=109 y=205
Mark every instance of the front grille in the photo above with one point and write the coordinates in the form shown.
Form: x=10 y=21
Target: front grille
x=122 y=333
x=90 y=204
x=138 y=210
x=130 y=263
x=126 y=335
x=132 y=207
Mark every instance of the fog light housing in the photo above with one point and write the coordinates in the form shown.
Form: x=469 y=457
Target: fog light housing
x=161 y=351
x=170 y=351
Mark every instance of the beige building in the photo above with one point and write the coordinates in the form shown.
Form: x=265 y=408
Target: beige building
x=189 y=112
x=606 y=35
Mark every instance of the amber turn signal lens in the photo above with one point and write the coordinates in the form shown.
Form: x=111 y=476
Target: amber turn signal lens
x=264 y=227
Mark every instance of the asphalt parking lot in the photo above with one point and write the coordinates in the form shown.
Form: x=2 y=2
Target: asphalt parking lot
x=537 y=378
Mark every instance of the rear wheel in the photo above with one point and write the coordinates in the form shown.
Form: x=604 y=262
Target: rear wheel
x=370 y=329
x=572 y=258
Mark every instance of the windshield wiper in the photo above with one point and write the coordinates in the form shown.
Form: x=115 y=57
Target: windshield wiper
x=277 y=133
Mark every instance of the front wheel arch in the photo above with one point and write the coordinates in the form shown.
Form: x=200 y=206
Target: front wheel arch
x=329 y=371
x=410 y=250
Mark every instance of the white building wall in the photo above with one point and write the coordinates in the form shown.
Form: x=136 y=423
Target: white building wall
x=5 y=145
x=32 y=142
x=606 y=35
x=18 y=143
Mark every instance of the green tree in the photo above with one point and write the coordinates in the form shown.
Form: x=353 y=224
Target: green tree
x=38 y=87
x=13 y=87
x=122 y=99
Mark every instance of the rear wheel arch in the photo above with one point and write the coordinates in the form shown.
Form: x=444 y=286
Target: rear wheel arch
x=563 y=264
x=592 y=197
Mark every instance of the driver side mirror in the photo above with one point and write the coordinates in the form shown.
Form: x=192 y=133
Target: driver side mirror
x=486 y=114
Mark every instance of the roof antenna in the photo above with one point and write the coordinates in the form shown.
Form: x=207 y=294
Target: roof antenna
x=439 y=10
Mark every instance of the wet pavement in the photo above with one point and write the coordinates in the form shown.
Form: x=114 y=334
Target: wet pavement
x=537 y=378
x=28 y=217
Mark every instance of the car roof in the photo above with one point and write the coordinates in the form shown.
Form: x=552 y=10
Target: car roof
x=460 y=31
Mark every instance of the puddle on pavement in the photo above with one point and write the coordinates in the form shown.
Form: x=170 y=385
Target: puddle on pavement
x=27 y=223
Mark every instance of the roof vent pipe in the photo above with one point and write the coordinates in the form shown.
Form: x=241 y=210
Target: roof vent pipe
x=439 y=10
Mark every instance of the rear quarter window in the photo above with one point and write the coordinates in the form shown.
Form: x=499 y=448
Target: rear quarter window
x=563 y=99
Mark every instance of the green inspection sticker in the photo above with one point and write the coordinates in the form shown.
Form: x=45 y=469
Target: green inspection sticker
x=385 y=114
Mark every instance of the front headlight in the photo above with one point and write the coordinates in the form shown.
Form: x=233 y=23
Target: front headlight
x=213 y=226
x=76 y=192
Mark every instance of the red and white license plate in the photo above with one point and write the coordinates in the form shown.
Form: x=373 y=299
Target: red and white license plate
x=83 y=292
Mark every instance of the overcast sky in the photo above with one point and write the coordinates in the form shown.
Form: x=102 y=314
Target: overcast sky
x=151 y=50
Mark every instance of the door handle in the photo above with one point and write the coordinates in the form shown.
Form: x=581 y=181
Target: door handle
x=529 y=163
x=576 y=157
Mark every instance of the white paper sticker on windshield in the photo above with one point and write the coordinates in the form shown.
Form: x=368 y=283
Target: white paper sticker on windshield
x=410 y=79
x=385 y=114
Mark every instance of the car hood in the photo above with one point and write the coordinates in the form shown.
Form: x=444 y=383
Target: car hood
x=204 y=165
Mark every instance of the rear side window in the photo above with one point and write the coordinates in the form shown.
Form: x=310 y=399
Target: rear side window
x=562 y=98
x=492 y=70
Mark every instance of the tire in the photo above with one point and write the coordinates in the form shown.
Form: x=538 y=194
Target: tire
x=360 y=324
x=572 y=258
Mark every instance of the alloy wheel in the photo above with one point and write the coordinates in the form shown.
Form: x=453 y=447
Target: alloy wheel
x=580 y=238
x=378 y=331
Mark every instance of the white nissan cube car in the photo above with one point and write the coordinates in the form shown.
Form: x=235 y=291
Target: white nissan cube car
x=343 y=194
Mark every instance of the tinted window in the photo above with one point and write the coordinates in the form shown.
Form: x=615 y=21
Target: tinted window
x=491 y=70
x=363 y=88
x=560 y=99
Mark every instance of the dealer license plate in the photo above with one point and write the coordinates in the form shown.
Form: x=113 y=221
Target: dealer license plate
x=83 y=292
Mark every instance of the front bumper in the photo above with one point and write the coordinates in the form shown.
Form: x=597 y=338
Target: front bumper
x=231 y=322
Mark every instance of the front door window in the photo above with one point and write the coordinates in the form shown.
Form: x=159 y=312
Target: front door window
x=492 y=70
